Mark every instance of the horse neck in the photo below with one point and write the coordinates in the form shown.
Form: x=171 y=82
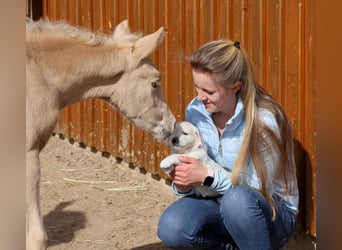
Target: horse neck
x=78 y=71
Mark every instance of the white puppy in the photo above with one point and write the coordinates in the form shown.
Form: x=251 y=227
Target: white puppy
x=187 y=141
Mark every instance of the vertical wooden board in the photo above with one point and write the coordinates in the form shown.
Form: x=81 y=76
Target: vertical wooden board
x=72 y=12
x=221 y=19
x=256 y=37
x=136 y=15
x=88 y=125
x=99 y=15
x=190 y=45
x=163 y=151
x=51 y=10
x=122 y=11
x=44 y=8
x=105 y=132
x=99 y=125
x=81 y=119
x=293 y=64
x=125 y=140
x=75 y=122
x=62 y=10
x=206 y=29
x=150 y=162
x=86 y=14
x=113 y=134
x=149 y=16
x=174 y=41
x=108 y=17
x=274 y=51
x=236 y=21
x=66 y=121
x=144 y=150
x=310 y=114
x=138 y=140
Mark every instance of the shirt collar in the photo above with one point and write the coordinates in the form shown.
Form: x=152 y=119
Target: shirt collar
x=238 y=115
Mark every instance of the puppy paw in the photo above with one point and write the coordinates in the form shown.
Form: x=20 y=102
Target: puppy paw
x=168 y=163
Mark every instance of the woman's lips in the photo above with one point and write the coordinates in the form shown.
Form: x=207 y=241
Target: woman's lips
x=207 y=104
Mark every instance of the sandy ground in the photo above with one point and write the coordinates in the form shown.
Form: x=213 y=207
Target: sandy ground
x=93 y=202
x=90 y=201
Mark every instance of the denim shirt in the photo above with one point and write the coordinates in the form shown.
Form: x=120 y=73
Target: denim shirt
x=224 y=149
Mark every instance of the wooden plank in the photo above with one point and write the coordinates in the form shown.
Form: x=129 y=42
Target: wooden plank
x=274 y=49
x=309 y=117
x=255 y=38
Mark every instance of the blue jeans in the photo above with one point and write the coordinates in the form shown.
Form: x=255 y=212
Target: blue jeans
x=242 y=219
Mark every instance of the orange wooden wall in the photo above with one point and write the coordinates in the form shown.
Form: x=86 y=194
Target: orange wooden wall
x=278 y=35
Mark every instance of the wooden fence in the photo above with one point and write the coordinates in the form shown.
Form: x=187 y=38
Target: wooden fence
x=277 y=34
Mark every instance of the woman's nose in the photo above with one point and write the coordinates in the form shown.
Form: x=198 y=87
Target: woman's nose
x=201 y=96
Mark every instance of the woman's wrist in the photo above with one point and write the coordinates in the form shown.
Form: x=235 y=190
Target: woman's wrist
x=183 y=189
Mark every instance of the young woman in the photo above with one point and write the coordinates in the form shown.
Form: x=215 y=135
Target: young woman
x=247 y=132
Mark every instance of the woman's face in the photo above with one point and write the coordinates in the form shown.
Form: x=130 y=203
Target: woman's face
x=215 y=97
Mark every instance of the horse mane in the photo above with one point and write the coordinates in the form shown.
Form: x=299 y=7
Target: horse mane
x=61 y=29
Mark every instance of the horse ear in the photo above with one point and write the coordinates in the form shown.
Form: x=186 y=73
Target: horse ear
x=121 y=30
x=147 y=44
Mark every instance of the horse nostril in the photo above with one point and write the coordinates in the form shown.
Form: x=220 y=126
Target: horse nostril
x=174 y=141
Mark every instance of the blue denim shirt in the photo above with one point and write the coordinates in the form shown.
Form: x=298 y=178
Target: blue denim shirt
x=225 y=149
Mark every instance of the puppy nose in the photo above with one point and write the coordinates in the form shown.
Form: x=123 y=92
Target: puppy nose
x=175 y=140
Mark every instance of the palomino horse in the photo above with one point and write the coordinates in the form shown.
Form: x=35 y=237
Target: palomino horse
x=65 y=65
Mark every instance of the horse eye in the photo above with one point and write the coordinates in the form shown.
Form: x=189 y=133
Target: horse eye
x=154 y=85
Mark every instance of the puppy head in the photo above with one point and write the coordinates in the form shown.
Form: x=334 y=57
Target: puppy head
x=185 y=138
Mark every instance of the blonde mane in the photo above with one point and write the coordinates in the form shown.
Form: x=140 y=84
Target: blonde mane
x=63 y=30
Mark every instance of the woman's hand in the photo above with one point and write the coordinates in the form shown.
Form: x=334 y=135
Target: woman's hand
x=188 y=174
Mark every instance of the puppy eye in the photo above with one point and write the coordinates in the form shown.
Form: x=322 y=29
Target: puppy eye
x=185 y=133
x=155 y=84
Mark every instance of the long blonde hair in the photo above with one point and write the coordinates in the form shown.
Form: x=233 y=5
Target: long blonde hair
x=227 y=63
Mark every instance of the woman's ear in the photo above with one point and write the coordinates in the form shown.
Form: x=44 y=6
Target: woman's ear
x=237 y=87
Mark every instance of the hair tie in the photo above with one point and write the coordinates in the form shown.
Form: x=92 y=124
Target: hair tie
x=237 y=44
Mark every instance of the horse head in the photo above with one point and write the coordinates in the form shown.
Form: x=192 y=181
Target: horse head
x=137 y=94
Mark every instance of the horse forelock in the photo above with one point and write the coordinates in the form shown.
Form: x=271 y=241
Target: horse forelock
x=63 y=29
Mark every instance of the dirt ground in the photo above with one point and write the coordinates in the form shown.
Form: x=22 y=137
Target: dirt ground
x=93 y=202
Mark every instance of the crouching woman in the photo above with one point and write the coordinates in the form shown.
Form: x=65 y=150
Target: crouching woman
x=247 y=132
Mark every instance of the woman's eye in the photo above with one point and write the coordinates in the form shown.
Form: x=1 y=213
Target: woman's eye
x=154 y=85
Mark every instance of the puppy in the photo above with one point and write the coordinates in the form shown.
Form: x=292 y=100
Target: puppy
x=187 y=141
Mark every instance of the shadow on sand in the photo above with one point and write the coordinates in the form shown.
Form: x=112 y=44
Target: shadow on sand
x=62 y=225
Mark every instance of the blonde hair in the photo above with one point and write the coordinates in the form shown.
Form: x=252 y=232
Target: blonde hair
x=227 y=64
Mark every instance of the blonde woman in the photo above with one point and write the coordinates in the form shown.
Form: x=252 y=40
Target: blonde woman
x=247 y=132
